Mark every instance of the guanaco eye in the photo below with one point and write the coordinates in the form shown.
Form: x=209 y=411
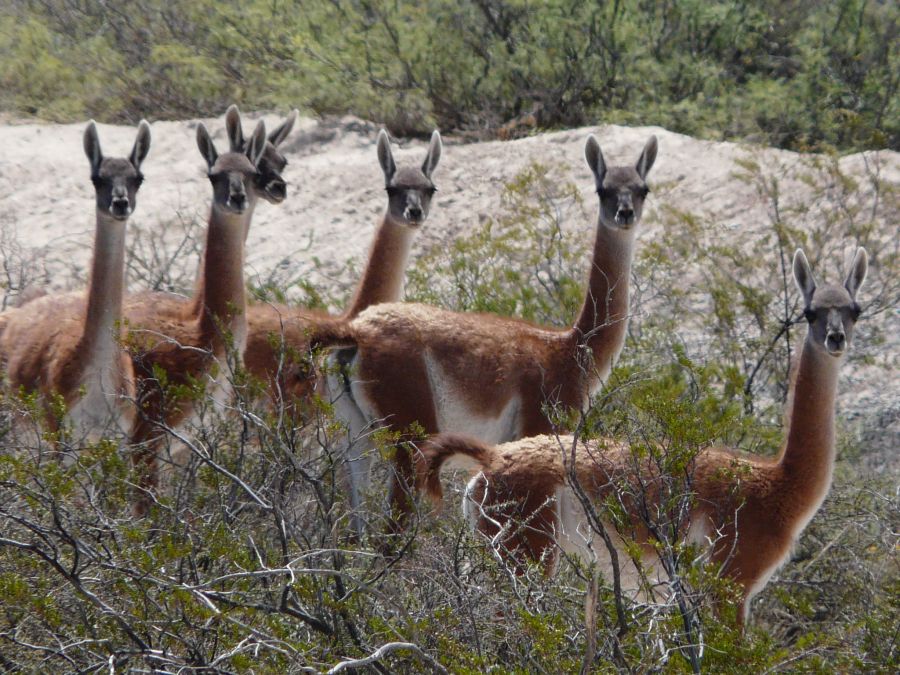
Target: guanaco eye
x=855 y=311
x=643 y=192
x=393 y=191
x=809 y=314
x=606 y=193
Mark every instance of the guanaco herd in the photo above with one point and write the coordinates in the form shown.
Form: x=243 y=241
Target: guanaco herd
x=478 y=385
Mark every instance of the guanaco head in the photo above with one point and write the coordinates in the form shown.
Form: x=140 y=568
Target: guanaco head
x=233 y=174
x=116 y=180
x=830 y=310
x=268 y=183
x=622 y=189
x=409 y=188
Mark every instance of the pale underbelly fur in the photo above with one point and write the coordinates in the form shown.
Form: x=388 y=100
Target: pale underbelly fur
x=455 y=415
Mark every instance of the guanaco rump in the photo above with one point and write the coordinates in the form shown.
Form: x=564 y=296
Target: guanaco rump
x=70 y=344
x=747 y=510
x=416 y=366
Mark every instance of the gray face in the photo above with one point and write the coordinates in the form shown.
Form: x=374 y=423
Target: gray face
x=233 y=174
x=409 y=196
x=409 y=189
x=233 y=177
x=268 y=183
x=831 y=315
x=116 y=180
x=116 y=185
x=830 y=310
x=622 y=196
x=622 y=189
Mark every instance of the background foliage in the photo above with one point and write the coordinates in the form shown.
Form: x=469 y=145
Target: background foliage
x=789 y=73
x=248 y=562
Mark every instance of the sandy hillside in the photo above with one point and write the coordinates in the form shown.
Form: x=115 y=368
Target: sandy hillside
x=336 y=196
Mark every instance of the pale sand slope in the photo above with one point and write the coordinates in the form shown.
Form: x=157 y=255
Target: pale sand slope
x=336 y=197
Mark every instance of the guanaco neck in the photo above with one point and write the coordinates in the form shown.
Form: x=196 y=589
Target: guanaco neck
x=603 y=320
x=200 y=284
x=382 y=279
x=220 y=302
x=103 y=316
x=807 y=461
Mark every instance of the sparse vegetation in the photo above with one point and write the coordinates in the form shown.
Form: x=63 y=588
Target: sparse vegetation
x=247 y=562
x=790 y=74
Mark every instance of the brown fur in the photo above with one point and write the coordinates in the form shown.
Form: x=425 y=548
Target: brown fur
x=68 y=345
x=410 y=190
x=43 y=349
x=382 y=277
x=279 y=337
x=189 y=339
x=280 y=345
x=757 y=507
x=495 y=364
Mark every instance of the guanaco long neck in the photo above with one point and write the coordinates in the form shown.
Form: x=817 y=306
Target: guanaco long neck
x=220 y=300
x=382 y=279
x=603 y=320
x=103 y=318
x=807 y=461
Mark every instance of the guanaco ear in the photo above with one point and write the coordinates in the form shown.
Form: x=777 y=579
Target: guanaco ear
x=803 y=276
x=595 y=160
x=434 y=154
x=92 y=148
x=277 y=137
x=857 y=274
x=206 y=145
x=233 y=127
x=385 y=156
x=648 y=156
x=257 y=145
x=141 y=145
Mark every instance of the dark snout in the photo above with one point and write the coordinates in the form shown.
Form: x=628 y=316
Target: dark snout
x=276 y=190
x=119 y=205
x=237 y=200
x=625 y=213
x=120 y=208
x=414 y=213
x=836 y=342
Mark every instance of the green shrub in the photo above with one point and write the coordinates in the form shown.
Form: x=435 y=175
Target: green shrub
x=248 y=562
x=783 y=73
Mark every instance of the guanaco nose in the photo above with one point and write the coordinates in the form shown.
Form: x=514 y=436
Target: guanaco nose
x=836 y=341
x=625 y=211
x=237 y=197
x=277 y=188
x=119 y=205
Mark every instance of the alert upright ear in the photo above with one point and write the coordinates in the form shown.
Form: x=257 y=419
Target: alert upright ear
x=595 y=161
x=257 y=145
x=857 y=274
x=648 y=156
x=233 y=128
x=803 y=276
x=206 y=145
x=283 y=130
x=141 y=145
x=385 y=156
x=434 y=154
x=92 y=148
